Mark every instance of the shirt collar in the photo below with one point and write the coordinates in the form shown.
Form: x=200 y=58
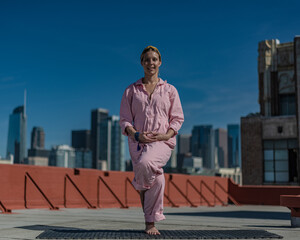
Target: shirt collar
x=160 y=82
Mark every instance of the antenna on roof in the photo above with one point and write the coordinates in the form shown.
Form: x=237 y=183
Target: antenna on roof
x=25 y=93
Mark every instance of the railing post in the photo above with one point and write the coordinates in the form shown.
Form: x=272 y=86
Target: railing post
x=25 y=190
x=65 y=191
x=111 y=191
x=4 y=209
x=201 y=192
x=52 y=207
x=178 y=189
x=78 y=190
x=215 y=202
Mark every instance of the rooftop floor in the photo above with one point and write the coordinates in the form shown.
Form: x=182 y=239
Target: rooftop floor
x=28 y=224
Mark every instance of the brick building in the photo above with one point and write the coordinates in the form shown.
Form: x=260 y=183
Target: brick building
x=270 y=139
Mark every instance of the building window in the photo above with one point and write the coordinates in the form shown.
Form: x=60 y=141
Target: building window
x=287 y=104
x=280 y=161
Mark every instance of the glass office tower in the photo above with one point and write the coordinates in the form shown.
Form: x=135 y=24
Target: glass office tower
x=16 y=140
x=233 y=145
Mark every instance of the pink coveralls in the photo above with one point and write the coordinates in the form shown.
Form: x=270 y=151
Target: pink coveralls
x=158 y=114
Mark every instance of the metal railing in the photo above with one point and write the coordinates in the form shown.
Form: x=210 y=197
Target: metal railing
x=110 y=190
x=67 y=177
x=4 y=209
x=27 y=175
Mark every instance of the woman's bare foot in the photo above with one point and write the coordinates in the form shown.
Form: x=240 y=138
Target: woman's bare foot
x=151 y=229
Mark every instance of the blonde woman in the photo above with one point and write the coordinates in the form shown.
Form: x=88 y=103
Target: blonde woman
x=150 y=115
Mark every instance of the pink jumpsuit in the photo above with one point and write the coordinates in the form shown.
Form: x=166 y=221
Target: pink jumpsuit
x=158 y=114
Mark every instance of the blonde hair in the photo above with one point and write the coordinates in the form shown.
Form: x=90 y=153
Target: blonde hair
x=150 y=48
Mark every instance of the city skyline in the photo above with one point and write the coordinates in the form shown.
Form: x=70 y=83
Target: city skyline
x=72 y=59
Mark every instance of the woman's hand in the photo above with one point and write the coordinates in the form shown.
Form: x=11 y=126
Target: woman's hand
x=145 y=137
x=162 y=136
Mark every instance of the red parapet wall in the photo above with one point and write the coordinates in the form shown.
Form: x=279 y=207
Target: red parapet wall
x=25 y=186
x=260 y=195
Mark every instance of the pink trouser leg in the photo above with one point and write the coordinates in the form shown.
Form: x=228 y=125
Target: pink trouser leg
x=149 y=176
x=154 y=201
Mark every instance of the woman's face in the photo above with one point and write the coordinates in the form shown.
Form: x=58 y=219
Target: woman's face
x=151 y=63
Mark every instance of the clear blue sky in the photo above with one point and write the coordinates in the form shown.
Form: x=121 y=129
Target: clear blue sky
x=75 y=56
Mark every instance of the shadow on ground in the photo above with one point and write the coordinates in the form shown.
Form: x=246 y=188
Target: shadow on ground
x=46 y=227
x=237 y=214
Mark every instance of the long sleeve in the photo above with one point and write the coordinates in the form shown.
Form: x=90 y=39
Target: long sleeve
x=176 y=116
x=126 y=117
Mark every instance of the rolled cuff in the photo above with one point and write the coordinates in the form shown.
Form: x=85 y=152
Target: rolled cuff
x=174 y=128
x=155 y=217
x=124 y=126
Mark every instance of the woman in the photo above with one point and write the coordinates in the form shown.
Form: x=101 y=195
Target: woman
x=150 y=115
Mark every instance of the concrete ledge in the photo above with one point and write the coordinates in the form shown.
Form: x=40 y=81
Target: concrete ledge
x=293 y=203
x=295 y=222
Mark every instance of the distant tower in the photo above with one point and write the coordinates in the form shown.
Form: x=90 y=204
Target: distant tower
x=16 y=140
x=233 y=131
x=98 y=137
x=81 y=143
x=203 y=144
x=221 y=144
x=37 y=138
x=116 y=145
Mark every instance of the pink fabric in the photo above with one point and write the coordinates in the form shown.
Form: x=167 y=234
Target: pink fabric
x=158 y=114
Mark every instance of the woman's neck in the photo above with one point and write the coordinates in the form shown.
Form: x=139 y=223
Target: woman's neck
x=150 y=79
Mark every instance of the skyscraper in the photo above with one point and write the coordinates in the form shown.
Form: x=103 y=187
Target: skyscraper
x=37 y=138
x=16 y=140
x=116 y=145
x=37 y=154
x=221 y=147
x=203 y=145
x=98 y=137
x=108 y=144
x=184 y=143
x=233 y=131
x=81 y=142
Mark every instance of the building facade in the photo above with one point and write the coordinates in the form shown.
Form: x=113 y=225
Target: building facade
x=37 y=154
x=203 y=145
x=81 y=142
x=16 y=140
x=107 y=141
x=221 y=144
x=37 y=138
x=62 y=156
x=233 y=140
x=81 y=139
x=83 y=158
x=114 y=149
x=270 y=139
x=98 y=137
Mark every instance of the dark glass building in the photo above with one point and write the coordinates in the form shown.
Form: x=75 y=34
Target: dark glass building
x=98 y=137
x=16 y=140
x=233 y=131
x=81 y=139
x=202 y=144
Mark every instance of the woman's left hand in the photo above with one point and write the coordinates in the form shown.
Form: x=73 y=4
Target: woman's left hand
x=159 y=136
x=162 y=136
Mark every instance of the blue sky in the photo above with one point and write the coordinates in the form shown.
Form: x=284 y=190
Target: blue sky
x=75 y=56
